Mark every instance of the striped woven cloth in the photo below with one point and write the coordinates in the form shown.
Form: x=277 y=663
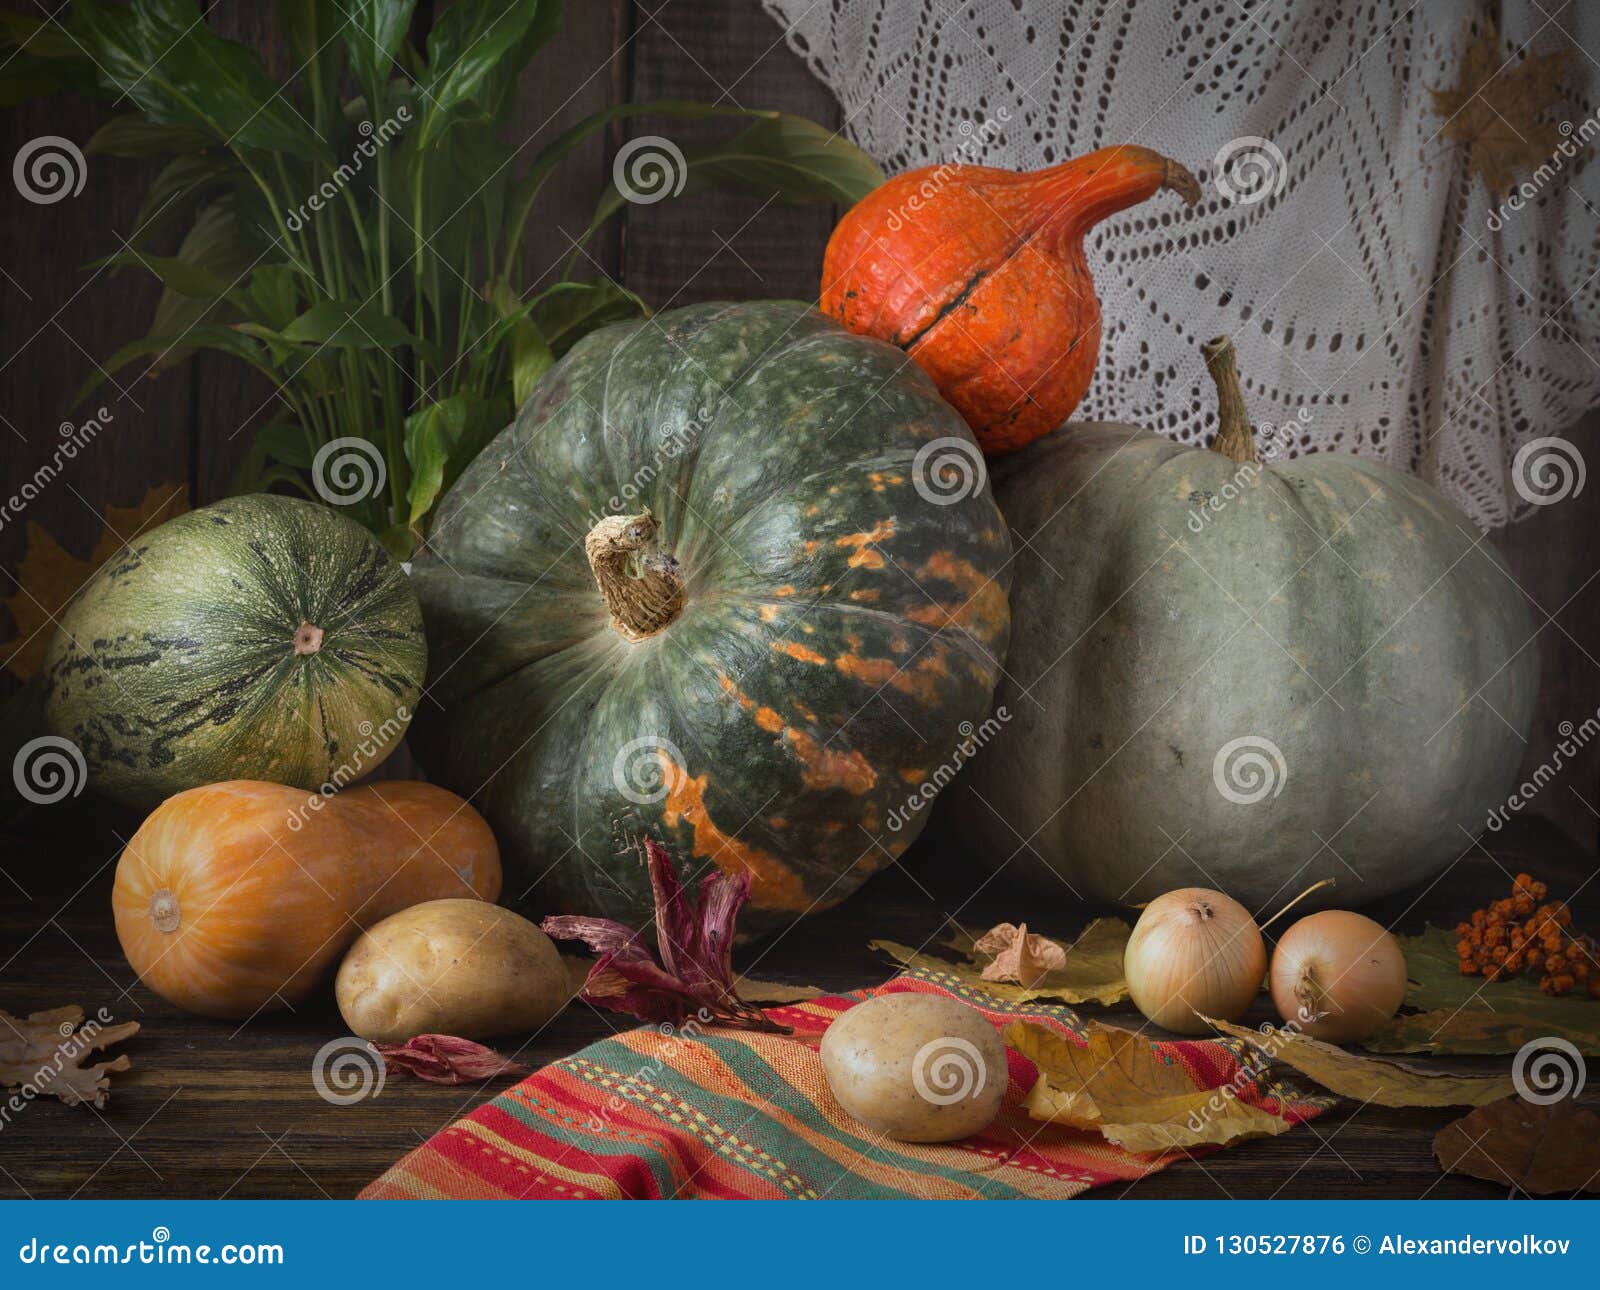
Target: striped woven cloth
x=657 y=1113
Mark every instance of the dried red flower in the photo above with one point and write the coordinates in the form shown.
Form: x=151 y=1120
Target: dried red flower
x=446 y=1059
x=689 y=971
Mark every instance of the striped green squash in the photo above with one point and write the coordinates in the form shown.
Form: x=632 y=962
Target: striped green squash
x=261 y=638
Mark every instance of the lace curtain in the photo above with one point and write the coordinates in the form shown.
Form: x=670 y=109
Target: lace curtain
x=1381 y=299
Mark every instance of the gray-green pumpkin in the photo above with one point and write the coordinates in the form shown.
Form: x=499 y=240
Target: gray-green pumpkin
x=1239 y=675
x=261 y=638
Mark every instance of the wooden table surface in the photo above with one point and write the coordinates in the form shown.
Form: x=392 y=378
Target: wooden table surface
x=214 y=1110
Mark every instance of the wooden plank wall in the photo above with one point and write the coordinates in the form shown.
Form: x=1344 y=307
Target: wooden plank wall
x=188 y=428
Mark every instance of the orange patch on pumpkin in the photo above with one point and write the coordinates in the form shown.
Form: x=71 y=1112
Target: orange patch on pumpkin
x=772 y=884
x=919 y=679
x=825 y=768
x=768 y=613
x=864 y=556
x=913 y=774
x=983 y=611
x=794 y=649
x=865 y=595
x=768 y=719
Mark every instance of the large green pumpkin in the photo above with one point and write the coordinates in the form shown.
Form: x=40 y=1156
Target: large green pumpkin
x=730 y=579
x=1244 y=675
x=260 y=638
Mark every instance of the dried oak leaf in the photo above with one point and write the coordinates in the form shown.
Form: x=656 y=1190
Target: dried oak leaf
x=45 y=1052
x=1367 y=1079
x=447 y=1059
x=1091 y=972
x=1542 y=1149
x=48 y=575
x=1120 y=1086
x=1019 y=956
x=1496 y=106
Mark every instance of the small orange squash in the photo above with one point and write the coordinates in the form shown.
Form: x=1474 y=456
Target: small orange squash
x=237 y=898
x=979 y=275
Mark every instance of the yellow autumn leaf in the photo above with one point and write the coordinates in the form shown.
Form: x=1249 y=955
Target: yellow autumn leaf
x=48 y=575
x=1368 y=1079
x=1120 y=1086
x=1092 y=972
x=1499 y=109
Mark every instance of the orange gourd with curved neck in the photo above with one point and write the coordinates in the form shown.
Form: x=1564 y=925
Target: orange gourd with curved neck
x=979 y=275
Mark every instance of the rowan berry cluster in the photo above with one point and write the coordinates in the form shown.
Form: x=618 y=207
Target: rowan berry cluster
x=1524 y=933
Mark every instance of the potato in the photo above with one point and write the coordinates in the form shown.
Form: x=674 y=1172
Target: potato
x=450 y=967
x=917 y=1067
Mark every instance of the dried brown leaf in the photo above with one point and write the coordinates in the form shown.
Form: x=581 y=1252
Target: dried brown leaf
x=1542 y=1149
x=1019 y=956
x=48 y=575
x=1091 y=973
x=1498 y=105
x=1367 y=1079
x=1474 y=1030
x=45 y=1051
x=1120 y=1086
x=752 y=991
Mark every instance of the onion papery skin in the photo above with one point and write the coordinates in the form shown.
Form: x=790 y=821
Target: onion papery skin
x=1348 y=970
x=1194 y=953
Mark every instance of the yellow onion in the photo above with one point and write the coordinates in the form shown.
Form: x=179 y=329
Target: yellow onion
x=1337 y=976
x=1193 y=953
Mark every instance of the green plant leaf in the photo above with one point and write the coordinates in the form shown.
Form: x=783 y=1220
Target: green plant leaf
x=552 y=154
x=177 y=192
x=530 y=354
x=441 y=439
x=161 y=54
x=192 y=280
x=309 y=28
x=348 y=324
x=373 y=31
x=272 y=295
x=277 y=453
x=133 y=136
x=224 y=340
x=780 y=156
x=569 y=311
x=475 y=51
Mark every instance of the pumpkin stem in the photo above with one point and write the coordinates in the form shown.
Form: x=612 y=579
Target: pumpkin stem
x=1236 y=437
x=641 y=583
